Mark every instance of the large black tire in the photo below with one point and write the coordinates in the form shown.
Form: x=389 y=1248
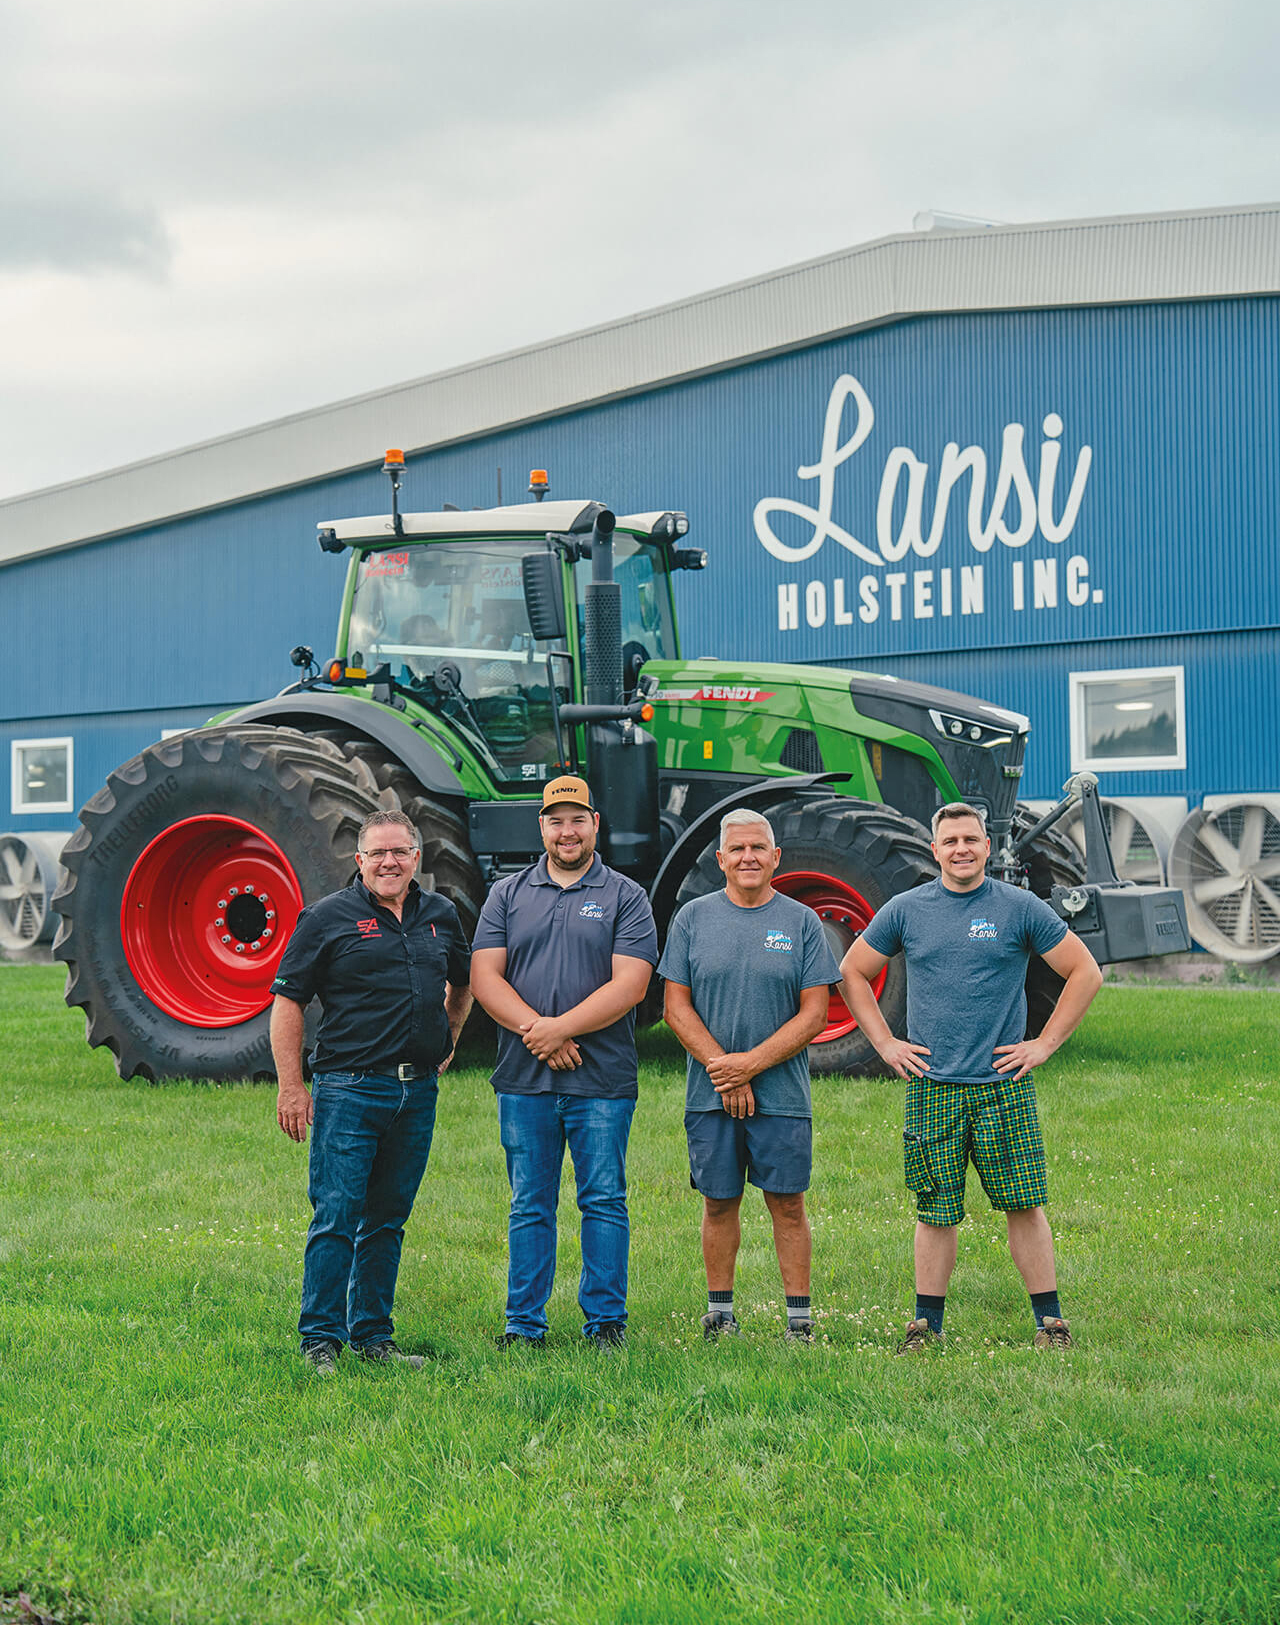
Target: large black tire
x=1053 y=860
x=265 y=786
x=448 y=865
x=869 y=853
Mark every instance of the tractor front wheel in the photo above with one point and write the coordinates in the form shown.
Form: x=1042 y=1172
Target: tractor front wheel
x=843 y=859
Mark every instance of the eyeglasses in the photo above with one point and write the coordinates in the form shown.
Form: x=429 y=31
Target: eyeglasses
x=401 y=854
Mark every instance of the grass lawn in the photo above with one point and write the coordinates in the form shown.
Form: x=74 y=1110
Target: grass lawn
x=165 y=1457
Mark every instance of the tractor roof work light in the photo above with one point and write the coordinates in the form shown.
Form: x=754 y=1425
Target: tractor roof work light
x=393 y=465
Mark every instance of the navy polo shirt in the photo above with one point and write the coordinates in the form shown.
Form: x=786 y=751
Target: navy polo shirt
x=381 y=981
x=560 y=943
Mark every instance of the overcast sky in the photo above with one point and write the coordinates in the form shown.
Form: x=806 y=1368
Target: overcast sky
x=214 y=214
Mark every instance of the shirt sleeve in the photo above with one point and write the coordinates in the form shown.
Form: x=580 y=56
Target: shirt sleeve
x=634 y=933
x=301 y=967
x=884 y=934
x=491 y=930
x=458 y=964
x=819 y=968
x=674 y=966
x=1042 y=929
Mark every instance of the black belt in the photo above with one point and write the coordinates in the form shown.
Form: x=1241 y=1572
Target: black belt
x=407 y=1073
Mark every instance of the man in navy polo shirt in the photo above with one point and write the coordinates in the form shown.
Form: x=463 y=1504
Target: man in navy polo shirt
x=560 y=959
x=389 y=963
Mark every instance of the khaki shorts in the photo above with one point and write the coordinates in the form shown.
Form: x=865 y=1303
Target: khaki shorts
x=993 y=1125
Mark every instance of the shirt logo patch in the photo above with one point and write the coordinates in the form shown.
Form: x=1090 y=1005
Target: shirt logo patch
x=778 y=942
x=368 y=928
x=982 y=930
x=591 y=911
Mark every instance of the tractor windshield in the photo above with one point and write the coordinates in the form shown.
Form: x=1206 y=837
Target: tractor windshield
x=460 y=605
x=648 y=626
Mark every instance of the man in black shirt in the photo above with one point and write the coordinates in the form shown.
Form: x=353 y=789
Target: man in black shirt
x=390 y=965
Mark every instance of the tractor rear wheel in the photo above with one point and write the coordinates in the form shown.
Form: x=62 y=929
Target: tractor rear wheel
x=844 y=859
x=183 y=885
x=1052 y=861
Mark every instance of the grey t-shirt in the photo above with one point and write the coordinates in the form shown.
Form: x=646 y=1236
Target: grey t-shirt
x=967 y=958
x=746 y=969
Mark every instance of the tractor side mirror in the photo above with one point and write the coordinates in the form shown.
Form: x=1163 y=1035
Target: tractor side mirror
x=543 y=595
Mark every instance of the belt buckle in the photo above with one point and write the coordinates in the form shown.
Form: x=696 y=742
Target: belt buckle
x=405 y=1073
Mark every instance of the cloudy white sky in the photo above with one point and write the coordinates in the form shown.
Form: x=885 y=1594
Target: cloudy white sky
x=217 y=212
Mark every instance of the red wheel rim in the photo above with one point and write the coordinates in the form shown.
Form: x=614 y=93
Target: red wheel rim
x=844 y=913
x=206 y=914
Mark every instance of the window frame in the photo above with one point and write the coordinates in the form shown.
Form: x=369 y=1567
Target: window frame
x=27 y=809
x=1080 y=759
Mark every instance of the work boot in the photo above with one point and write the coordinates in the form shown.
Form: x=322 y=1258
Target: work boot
x=1054 y=1334
x=920 y=1336
x=512 y=1340
x=387 y=1353
x=322 y=1358
x=612 y=1335
x=716 y=1323
x=798 y=1331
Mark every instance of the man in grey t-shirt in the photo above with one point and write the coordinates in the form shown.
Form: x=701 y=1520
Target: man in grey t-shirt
x=748 y=974
x=967 y=1061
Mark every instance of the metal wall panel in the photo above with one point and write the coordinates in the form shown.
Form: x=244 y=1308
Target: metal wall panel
x=1200 y=254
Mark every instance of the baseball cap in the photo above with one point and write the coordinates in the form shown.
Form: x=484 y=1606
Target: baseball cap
x=570 y=789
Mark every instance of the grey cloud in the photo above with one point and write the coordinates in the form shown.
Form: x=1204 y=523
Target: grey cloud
x=81 y=234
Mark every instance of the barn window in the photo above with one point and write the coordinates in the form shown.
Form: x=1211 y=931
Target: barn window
x=41 y=776
x=1128 y=721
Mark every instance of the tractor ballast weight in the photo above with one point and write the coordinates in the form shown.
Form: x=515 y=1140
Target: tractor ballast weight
x=476 y=658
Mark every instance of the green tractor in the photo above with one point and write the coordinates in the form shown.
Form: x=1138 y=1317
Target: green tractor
x=478 y=654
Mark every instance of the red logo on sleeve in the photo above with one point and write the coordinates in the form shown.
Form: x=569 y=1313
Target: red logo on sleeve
x=368 y=928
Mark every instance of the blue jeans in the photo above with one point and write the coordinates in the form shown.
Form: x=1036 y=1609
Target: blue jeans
x=535 y=1130
x=369 y=1144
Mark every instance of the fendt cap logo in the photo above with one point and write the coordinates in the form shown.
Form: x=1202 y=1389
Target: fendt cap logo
x=1019 y=508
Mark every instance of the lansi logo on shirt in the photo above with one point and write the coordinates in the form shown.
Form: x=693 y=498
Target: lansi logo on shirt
x=777 y=942
x=368 y=928
x=982 y=930
x=591 y=911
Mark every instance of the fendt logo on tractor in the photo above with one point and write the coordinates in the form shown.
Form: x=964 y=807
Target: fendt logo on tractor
x=477 y=652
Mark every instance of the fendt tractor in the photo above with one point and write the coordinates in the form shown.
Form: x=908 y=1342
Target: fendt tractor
x=479 y=653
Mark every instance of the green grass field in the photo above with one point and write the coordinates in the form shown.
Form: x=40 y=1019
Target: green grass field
x=165 y=1457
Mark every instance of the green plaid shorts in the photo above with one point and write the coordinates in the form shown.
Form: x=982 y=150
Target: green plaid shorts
x=993 y=1125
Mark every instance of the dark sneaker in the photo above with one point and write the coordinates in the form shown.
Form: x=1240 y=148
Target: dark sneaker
x=322 y=1358
x=510 y=1340
x=1054 y=1334
x=798 y=1331
x=716 y=1323
x=920 y=1336
x=612 y=1335
x=389 y=1354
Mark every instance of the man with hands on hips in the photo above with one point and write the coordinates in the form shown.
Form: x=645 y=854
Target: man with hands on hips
x=748 y=975
x=561 y=957
x=970 y=1093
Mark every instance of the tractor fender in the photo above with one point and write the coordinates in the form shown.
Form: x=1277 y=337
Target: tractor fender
x=405 y=742
x=686 y=851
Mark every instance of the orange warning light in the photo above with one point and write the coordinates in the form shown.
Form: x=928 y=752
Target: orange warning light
x=337 y=671
x=394 y=460
x=646 y=713
x=538 y=478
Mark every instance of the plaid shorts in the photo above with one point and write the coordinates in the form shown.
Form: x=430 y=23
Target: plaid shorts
x=994 y=1125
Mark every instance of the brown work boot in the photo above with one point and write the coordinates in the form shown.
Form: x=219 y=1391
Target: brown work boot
x=1054 y=1334
x=920 y=1336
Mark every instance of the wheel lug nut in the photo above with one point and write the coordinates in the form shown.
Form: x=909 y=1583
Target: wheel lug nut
x=219 y=921
x=248 y=888
x=263 y=898
x=222 y=902
x=239 y=947
x=234 y=891
x=271 y=913
x=266 y=933
x=226 y=939
x=255 y=947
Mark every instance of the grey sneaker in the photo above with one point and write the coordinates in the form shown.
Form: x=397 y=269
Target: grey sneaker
x=798 y=1331
x=612 y=1335
x=920 y=1336
x=1054 y=1334
x=718 y=1323
x=322 y=1358
x=388 y=1354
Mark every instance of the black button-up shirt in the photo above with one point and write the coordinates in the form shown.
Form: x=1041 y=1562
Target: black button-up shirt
x=381 y=981
x=560 y=943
